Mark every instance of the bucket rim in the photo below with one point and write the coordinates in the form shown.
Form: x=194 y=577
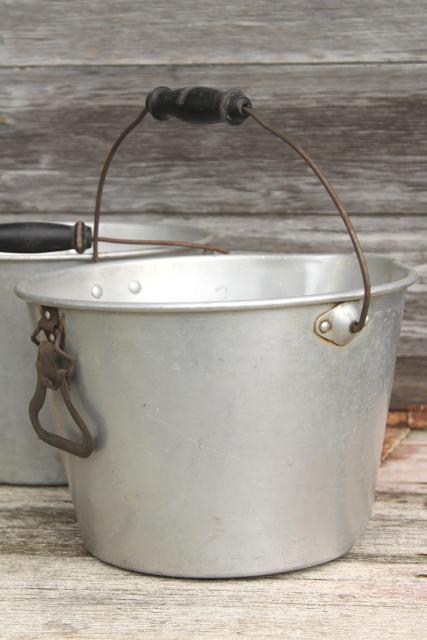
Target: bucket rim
x=24 y=289
x=112 y=227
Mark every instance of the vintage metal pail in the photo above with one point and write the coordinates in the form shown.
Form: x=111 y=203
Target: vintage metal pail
x=23 y=459
x=232 y=419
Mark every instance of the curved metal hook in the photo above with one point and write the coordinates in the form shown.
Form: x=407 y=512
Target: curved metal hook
x=51 y=374
x=357 y=325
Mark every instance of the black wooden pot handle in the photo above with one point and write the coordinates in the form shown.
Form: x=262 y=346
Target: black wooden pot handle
x=43 y=237
x=198 y=105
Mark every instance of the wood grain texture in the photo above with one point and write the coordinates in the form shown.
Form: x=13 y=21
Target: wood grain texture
x=393 y=437
x=51 y=588
x=406 y=471
x=410 y=381
x=362 y=123
x=417 y=417
x=190 y=32
x=414 y=417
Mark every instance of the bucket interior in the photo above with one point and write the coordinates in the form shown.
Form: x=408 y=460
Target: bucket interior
x=210 y=280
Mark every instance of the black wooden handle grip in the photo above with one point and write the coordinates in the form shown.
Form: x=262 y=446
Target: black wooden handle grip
x=198 y=105
x=42 y=237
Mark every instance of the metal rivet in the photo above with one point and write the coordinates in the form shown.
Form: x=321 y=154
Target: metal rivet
x=52 y=337
x=325 y=326
x=47 y=315
x=97 y=291
x=135 y=286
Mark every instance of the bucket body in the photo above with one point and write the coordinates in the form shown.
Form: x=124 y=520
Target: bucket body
x=230 y=439
x=23 y=459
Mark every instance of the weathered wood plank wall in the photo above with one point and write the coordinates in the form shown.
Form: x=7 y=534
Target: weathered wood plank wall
x=193 y=32
x=346 y=79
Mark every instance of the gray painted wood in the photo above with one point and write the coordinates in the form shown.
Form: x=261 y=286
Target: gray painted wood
x=190 y=32
x=363 y=123
x=410 y=380
x=51 y=588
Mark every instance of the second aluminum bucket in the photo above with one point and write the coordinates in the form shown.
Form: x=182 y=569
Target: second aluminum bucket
x=23 y=459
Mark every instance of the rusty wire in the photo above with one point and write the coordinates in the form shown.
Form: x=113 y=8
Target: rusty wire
x=164 y=243
x=357 y=326
x=98 y=204
x=103 y=176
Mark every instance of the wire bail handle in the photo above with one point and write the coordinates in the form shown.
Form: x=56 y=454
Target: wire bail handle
x=204 y=105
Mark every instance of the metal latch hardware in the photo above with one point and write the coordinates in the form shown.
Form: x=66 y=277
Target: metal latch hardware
x=336 y=324
x=55 y=368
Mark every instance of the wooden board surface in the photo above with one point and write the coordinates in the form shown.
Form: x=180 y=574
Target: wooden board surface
x=392 y=439
x=410 y=381
x=51 y=588
x=191 y=32
x=362 y=123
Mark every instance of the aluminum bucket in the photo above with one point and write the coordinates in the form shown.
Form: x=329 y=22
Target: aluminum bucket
x=236 y=421
x=23 y=459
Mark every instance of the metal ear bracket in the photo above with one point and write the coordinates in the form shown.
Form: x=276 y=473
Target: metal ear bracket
x=336 y=324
